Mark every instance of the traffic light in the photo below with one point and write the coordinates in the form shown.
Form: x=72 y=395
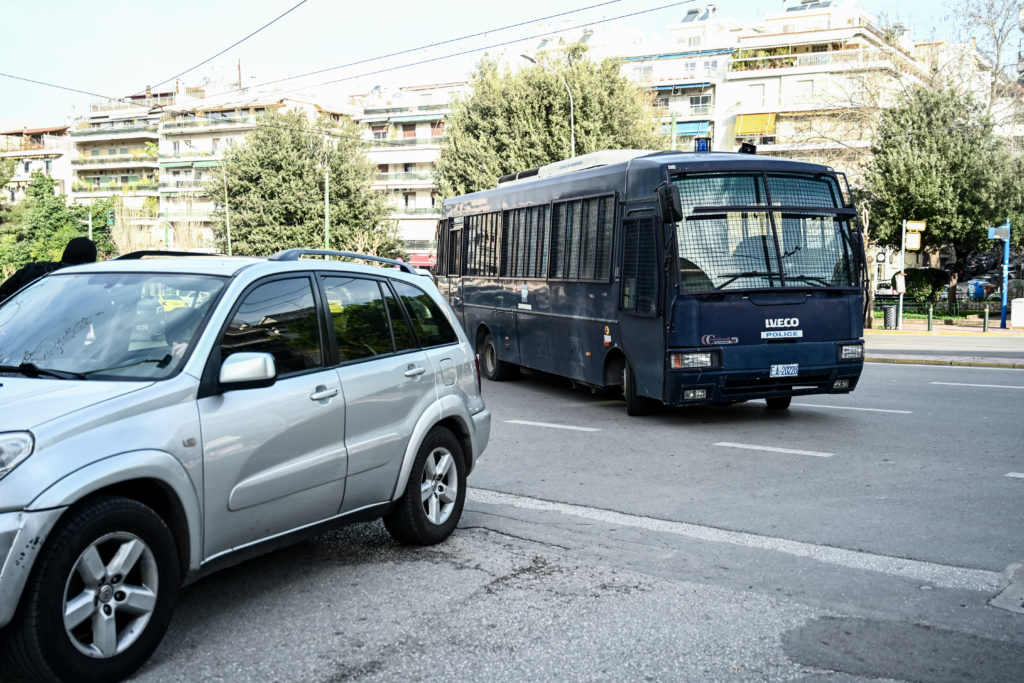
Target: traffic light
x=110 y=218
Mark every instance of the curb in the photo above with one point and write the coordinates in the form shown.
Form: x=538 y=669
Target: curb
x=952 y=333
x=1012 y=365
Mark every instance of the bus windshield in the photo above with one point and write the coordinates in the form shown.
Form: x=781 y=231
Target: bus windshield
x=756 y=231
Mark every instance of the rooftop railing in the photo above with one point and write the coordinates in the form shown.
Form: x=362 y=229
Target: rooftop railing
x=116 y=129
x=782 y=61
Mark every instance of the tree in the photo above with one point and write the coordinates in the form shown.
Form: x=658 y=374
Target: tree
x=992 y=23
x=275 y=189
x=935 y=158
x=515 y=121
x=40 y=226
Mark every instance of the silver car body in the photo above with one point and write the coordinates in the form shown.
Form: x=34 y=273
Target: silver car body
x=233 y=470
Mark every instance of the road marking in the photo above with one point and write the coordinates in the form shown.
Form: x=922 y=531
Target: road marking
x=982 y=386
x=793 y=451
x=552 y=426
x=945 y=576
x=872 y=410
x=1015 y=475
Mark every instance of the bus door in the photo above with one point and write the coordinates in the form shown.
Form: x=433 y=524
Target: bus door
x=641 y=325
x=453 y=290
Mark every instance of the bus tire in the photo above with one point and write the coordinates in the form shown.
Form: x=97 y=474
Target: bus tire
x=494 y=368
x=635 y=403
x=778 y=402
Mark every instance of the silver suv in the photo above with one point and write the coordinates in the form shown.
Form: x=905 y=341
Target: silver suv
x=162 y=418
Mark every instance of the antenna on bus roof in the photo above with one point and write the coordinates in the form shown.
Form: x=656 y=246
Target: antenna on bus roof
x=592 y=160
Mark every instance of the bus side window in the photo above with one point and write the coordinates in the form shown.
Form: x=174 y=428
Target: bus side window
x=639 y=267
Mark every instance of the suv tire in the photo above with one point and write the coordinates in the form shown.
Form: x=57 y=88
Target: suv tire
x=108 y=556
x=431 y=506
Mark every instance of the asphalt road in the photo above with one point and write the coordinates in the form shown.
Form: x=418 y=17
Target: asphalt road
x=857 y=537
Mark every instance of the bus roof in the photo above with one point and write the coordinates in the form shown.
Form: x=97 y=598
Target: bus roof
x=633 y=178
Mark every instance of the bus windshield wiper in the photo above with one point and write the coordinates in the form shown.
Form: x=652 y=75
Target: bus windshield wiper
x=750 y=273
x=33 y=370
x=808 y=278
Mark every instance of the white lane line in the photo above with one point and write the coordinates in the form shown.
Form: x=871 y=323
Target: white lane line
x=793 y=451
x=937 y=574
x=981 y=386
x=872 y=410
x=1015 y=475
x=552 y=426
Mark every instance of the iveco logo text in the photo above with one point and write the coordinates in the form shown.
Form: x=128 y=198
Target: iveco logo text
x=782 y=322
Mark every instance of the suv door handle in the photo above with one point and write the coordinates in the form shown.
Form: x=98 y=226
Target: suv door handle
x=322 y=393
x=415 y=372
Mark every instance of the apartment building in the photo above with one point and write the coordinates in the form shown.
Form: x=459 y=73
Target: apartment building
x=47 y=150
x=115 y=150
x=403 y=130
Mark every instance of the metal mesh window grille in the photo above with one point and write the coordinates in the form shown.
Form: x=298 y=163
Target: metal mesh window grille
x=639 y=267
x=523 y=241
x=481 y=245
x=741 y=249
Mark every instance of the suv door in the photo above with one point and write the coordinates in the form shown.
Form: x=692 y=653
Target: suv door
x=274 y=457
x=386 y=390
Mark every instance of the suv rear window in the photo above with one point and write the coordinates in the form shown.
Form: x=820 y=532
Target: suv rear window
x=431 y=326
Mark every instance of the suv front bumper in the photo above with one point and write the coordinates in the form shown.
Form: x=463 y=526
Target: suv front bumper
x=22 y=535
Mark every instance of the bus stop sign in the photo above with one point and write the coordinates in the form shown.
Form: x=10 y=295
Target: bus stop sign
x=1000 y=233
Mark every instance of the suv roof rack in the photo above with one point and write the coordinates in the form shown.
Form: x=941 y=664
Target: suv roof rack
x=294 y=254
x=135 y=255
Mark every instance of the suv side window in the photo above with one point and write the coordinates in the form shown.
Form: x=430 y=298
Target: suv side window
x=404 y=337
x=432 y=328
x=278 y=318
x=360 y=321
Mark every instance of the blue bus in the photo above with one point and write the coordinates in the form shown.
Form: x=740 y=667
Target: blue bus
x=685 y=278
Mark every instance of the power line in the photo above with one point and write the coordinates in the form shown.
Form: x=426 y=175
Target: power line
x=421 y=47
x=233 y=45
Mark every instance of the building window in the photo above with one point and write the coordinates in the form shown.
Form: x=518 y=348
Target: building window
x=408 y=130
x=380 y=132
x=214 y=144
x=123 y=150
x=694 y=41
x=382 y=168
x=26 y=167
x=94 y=152
x=176 y=147
x=407 y=167
x=410 y=199
x=49 y=166
x=700 y=104
x=437 y=129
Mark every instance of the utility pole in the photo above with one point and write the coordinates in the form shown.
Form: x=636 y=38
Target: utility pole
x=227 y=210
x=327 y=208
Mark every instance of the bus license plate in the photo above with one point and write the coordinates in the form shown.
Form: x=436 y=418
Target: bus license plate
x=786 y=370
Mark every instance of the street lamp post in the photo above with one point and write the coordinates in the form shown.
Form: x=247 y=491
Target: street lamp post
x=572 y=114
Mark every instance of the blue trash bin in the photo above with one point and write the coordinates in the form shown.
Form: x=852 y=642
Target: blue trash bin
x=976 y=289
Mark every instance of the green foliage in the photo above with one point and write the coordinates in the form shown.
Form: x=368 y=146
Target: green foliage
x=935 y=158
x=40 y=226
x=275 y=189
x=925 y=284
x=515 y=121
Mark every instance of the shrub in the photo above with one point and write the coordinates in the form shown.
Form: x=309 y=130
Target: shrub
x=925 y=284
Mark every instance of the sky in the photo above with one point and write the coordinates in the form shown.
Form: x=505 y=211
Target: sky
x=117 y=49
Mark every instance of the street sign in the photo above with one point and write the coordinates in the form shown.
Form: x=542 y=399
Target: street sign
x=918 y=226
x=913 y=239
x=1000 y=233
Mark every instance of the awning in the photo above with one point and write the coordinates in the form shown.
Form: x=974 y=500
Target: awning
x=374 y=119
x=417 y=117
x=680 y=86
x=176 y=164
x=422 y=260
x=206 y=164
x=688 y=128
x=754 y=124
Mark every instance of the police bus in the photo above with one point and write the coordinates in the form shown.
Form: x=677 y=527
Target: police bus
x=685 y=278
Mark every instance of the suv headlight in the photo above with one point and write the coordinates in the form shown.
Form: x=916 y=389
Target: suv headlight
x=14 y=447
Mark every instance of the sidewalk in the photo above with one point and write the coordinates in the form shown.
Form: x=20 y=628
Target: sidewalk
x=963 y=344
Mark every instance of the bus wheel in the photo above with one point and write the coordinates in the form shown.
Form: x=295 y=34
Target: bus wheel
x=778 y=402
x=494 y=369
x=635 y=403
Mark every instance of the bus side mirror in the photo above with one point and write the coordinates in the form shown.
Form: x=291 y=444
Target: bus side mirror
x=668 y=200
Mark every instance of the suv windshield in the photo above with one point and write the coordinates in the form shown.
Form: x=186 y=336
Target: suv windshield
x=127 y=326
x=738 y=226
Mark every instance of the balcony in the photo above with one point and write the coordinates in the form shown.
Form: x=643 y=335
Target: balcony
x=428 y=211
x=755 y=60
x=140 y=130
x=142 y=187
x=404 y=142
x=140 y=159
x=191 y=154
x=199 y=123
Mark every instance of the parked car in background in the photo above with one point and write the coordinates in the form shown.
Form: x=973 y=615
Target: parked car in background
x=144 y=444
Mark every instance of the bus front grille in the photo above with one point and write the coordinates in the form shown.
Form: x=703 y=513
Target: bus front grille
x=758 y=384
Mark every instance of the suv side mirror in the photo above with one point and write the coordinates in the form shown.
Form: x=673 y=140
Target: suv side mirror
x=248 y=370
x=669 y=202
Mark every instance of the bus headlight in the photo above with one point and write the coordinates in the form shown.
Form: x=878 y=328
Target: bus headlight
x=692 y=360
x=851 y=351
x=14 y=447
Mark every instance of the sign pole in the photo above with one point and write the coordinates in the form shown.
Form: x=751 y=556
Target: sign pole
x=903 y=269
x=1006 y=273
